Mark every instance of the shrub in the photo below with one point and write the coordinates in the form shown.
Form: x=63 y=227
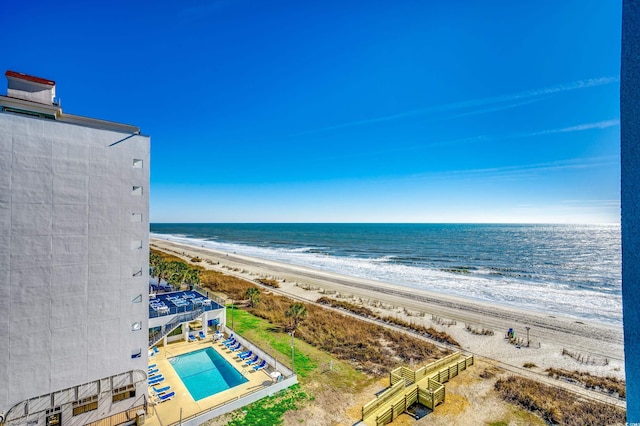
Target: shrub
x=268 y=282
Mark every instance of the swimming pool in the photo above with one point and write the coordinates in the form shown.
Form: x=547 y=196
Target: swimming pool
x=206 y=372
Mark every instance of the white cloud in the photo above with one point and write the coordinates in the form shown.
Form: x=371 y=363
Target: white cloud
x=530 y=95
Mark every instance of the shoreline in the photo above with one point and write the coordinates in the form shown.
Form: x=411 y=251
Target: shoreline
x=555 y=341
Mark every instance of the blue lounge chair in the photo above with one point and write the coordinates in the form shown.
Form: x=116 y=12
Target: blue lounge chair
x=152 y=366
x=160 y=390
x=260 y=366
x=253 y=360
x=166 y=396
x=228 y=345
x=154 y=371
x=235 y=347
x=156 y=380
x=191 y=338
x=245 y=354
x=201 y=335
x=155 y=350
x=229 y=339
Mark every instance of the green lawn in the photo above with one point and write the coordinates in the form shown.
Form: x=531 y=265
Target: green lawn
x=269 y=410
x=311 y=364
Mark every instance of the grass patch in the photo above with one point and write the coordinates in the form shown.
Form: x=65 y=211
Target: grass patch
x=258 y=330
x=270 y=410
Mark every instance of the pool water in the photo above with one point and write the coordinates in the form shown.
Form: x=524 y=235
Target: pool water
x=205 y=373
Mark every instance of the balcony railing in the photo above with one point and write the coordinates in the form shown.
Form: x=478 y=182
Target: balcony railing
x=172 y=325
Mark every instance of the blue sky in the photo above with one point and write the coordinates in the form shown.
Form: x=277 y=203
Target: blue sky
x=334 y=111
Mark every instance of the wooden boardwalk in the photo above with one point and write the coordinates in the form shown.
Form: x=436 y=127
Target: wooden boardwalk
x=424 y=385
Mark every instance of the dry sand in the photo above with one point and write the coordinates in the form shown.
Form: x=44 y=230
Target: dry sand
x=598 y=346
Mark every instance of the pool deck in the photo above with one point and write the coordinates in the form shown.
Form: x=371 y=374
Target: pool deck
x=168 y=412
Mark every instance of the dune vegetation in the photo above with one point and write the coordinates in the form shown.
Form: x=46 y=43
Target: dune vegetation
x=557 y=406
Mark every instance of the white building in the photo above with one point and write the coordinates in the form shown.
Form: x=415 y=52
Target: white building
x=74 y=230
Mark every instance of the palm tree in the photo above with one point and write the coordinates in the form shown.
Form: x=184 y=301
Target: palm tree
x=176 y=273
x=191 y=276
x=156 y=265
x=253 y=294
x=296 y=312
x=161 y=270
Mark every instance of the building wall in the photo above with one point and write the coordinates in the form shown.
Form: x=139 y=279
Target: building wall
x=73 y=255
x=630 y=154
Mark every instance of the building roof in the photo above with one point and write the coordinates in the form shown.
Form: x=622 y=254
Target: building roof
x=31 y=78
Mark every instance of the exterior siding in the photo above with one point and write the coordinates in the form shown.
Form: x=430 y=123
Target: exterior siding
x=70 y=243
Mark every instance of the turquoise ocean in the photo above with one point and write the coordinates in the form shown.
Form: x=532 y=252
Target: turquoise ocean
x=570 y=270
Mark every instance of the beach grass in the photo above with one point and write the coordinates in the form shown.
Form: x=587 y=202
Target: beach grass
x=609 y=385
x=555 y=405
x=429 y=332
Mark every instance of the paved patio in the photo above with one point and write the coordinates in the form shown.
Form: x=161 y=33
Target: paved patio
x=168 y=412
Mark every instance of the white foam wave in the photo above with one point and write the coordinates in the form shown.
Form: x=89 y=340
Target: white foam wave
x=549 y=296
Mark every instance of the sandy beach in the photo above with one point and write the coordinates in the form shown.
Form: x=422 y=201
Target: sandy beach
x=554 y=341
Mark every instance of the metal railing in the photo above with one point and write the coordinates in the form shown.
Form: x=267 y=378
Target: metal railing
x=237 y=402
x=174 y=310
x=38 y=407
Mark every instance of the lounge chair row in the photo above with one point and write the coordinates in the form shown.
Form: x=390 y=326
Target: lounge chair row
x=155 y=377
x=247 y=356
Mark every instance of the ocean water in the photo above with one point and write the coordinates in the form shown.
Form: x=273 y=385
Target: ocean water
x=571 y=270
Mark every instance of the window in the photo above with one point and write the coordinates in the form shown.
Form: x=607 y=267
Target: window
x=136 y=190
x=123 y=393
x=137 y=163
x=54 y=417
x=85 y=405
